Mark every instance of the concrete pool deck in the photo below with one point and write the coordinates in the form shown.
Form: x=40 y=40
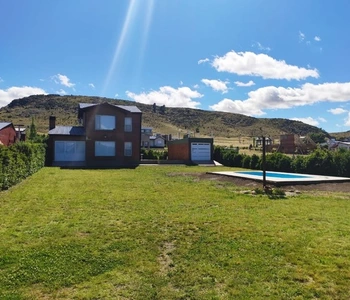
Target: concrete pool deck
x=276 y=180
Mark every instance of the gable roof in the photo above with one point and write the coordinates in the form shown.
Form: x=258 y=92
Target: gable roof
x=67 y=130
x=4 y=124
x=130 y=108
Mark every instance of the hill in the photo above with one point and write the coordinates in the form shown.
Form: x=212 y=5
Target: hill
x=175 y=121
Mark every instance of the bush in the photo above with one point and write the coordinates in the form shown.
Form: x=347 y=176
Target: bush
x=154 y=154
x=19 y=161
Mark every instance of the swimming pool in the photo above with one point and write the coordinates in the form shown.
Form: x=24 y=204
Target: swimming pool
x=282 y=178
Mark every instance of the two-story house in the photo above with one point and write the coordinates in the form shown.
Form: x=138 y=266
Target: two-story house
x=109 y=136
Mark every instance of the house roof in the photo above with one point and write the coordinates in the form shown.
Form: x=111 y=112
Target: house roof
x=130 y=108
x=4 y=124
x=153 y=137
x=67 y=130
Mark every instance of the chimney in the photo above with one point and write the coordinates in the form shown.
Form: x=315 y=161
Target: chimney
x=52 y=122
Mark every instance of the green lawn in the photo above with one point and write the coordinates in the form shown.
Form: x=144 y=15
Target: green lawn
x=164 y=233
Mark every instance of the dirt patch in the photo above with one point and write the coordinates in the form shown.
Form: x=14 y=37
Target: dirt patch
x=164 y=259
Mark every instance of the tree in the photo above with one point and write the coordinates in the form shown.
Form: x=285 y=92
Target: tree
x=318 y=137
x=154 y=107
x=162 y=109
x=32 y=130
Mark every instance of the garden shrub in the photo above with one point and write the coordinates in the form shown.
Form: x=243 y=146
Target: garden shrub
x=19 y=161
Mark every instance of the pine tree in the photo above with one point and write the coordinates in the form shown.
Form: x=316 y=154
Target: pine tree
x=32 y=130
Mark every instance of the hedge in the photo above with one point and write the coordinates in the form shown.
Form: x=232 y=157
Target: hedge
x=19 y=161
x=319 y=162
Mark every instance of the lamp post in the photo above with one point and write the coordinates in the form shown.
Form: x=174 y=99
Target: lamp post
x=264 y=161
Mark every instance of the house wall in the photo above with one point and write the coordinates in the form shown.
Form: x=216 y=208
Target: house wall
x=179 y=150
x=8 y=135
x=117 y=135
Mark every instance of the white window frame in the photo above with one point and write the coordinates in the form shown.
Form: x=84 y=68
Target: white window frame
x=104 y=151
x=128 y=124
x=127 y=148
x=104 y=122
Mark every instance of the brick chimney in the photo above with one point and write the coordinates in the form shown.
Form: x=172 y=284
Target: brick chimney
x=52 y=122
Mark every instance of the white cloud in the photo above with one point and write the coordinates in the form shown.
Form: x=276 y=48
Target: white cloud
x=196 y=86
x=301 y=36
x=181 y=82
x=168 y=96
x=272 y=97
x=308 y=120
x=92 y=85
x=63 y=79
x=347 y=120
x=61 y=92
x=116 y=95
x=216 y=85
x=261 y=47
x=317 y=38
x=1 y=80
x=249 y=63
x=201 y=61
x=337 y=111
x=323 y=120
x=15 y=92
x=249 y=83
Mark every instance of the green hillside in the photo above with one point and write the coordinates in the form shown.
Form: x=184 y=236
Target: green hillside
x=175 y=121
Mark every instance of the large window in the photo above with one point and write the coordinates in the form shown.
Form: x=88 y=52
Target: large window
x=103 y=122
x=128 y=124
x=127 y=149
x=103 y=148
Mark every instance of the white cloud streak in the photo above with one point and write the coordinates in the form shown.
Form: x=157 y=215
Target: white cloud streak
x=317 y=38
x=301 y=36
x=261 y=47
x=308 y=120
x=244 y=84
x=323 y=120
x=272 y=97
x=249 y=63
x=168 y=96
x=201 y=61
x=62 y=79
x=216 y=85
x=1 y=80
x=91 y=85
x=61 y=92
x=337 y=111
x=347 y=120
x=15 y=92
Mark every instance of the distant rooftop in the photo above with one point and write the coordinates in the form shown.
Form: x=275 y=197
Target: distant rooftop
x=4 y=124
x=67 y=130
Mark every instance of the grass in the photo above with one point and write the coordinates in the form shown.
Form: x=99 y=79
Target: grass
x=165 y=233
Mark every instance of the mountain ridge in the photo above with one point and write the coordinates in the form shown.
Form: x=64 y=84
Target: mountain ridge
x=171 y=120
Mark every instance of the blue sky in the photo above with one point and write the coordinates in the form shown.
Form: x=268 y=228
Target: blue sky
x=264 y=58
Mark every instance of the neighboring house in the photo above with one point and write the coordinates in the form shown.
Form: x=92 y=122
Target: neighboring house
x=292 y=143
x=109 y=136
x=146 y=133
x=191 y=149
x=258 y=141
x=334 y=145
x=7 y=133
x=157 y=141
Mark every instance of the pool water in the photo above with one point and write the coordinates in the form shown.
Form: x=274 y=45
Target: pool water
x=274 y=174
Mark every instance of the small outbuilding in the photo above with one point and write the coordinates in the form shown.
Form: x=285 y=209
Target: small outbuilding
x=191 y=149
x=7 y=133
